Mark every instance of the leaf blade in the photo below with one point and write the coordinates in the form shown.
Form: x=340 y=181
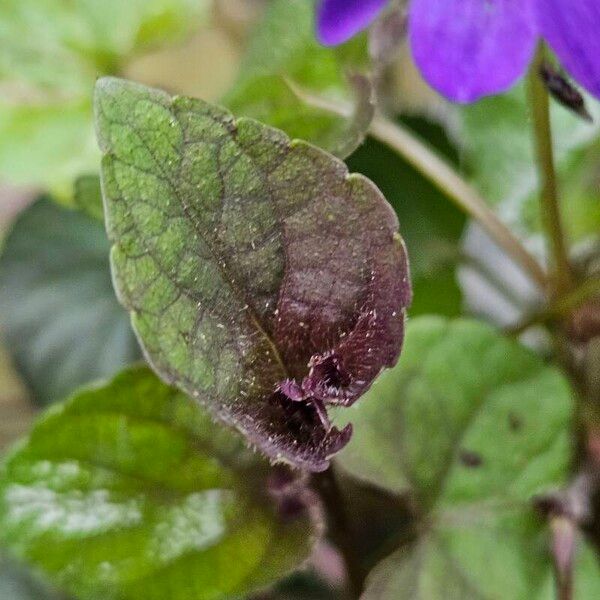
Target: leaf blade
x=471 y=426
x=272 y=255
x=141 y=496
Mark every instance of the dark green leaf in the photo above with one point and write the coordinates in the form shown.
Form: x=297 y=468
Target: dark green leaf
x=263 y=279
x=473 y=425
x=284 y=62
x=130 y=492
x=60 y=318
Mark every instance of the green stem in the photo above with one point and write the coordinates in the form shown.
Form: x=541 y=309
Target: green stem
x=437 y=170
x=549 y=205
x=465 y=196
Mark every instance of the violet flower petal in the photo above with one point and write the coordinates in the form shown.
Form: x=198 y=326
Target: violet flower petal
x=467 y=49
x=339 y=20
x=572 y=28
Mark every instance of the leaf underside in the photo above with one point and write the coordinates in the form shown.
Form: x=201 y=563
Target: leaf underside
x=262 y=278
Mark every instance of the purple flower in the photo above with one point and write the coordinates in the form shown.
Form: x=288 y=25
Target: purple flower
x=467 y=49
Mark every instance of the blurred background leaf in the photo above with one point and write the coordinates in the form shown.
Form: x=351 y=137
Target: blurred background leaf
x=130 y=491
x=472 y=426
x=430 y=570
x=60 y=318
x=52 y=52
x=282 y=55
x=88 y=196
x=499 y=156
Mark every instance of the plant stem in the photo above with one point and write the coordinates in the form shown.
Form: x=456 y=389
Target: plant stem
x=465 y=196
x=427 y=161
x=549 y=205
x=340 y=528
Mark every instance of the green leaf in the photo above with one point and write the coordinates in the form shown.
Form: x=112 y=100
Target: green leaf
x=250 y=263
x=462 y=387
x=60 y=318
x=284 y=62
x=500 y=157
x=52 y=52
x=473 y=426
x=47 y=145
x=431 y=224
x=503 y=560
x=130 y=492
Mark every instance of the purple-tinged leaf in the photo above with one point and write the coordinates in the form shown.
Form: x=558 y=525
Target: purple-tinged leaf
x=262 y=278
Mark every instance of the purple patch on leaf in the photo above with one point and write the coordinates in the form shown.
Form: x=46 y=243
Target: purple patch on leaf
x=341 y=310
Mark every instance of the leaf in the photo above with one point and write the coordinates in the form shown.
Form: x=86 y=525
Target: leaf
x=52 y=52
x=500 y=157
x=60 y=319
x=263 y=280
x=462 y=387
x=473 y=425
x=431 y=225
x=129 y=491
x=284 y=63
x=495 y=562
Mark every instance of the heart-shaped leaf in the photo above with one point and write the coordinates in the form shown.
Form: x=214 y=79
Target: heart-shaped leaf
x=473 y=426
x=462 y=388
x=263 y=279
x=60 y=318
x=130 y=492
